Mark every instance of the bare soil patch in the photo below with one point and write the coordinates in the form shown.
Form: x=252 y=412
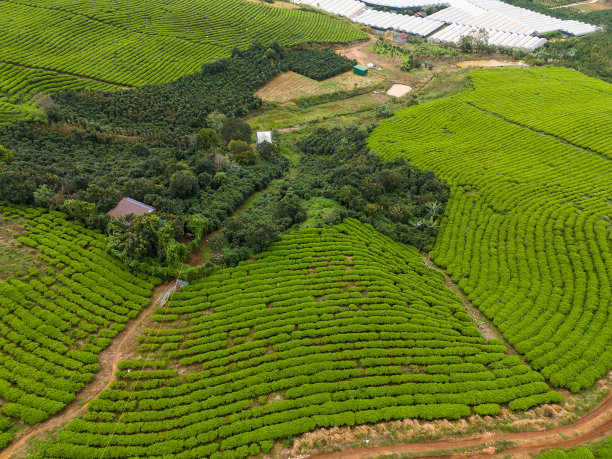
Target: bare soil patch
x=490 y=63
x=289 y=86
x=278 y=4
x=399 y=90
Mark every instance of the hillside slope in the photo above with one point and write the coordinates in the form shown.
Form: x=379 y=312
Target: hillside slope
x=329 y=327
x=51 y=45
x=55 y=321
x=527 y=229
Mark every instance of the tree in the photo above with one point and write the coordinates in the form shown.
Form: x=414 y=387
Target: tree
x=85 y=212
x=198 y=225
x=17 y=187
x=208 y=138
x=410 y=62
x=235 y=129
x=217 y=241
x=215 y=120
x=43 y=196
x=242 y=152
x=466 y=43
x=6 y=155
x=291 y=207
x=481 y=41
x=266 y=149
x=184 y=184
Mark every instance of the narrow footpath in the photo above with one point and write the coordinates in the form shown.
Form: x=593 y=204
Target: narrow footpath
x=109 y=358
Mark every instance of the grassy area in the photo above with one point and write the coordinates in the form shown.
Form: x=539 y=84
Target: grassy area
x=290 y=86
x=282 y=117
x=14 y=262
x=444 y=84
x=319 y=211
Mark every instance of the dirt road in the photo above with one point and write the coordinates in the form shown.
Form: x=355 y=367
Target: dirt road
x=109 y=358
x=592 y=426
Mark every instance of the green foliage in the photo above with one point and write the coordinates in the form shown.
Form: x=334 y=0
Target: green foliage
x=318 y=64
x=137 y=44
x=53 y=326
x=394 y=197
x=236 y=129
x=242 y=152
x=208 y=138
x=329 y=327
x=410 y=63
x=529 y=183
x=6 y=155
x=184 y=184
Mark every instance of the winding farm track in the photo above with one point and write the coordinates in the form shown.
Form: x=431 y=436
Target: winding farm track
x=109 y=358
x=592 y=426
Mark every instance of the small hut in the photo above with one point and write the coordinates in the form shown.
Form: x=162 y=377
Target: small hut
x=360 y=70
x=264 y=136
x=129 y=206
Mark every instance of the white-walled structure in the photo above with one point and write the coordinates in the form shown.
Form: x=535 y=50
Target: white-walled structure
x=506 y=25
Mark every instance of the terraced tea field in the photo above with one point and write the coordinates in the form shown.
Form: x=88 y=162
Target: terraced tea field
x=329 y=327
x=21 y=87
x=137 y=43
x=526 y=232
x=103 y=44
x=55 y=321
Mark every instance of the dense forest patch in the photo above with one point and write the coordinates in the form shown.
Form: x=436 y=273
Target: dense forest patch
x=316 y=64
x=397 y=199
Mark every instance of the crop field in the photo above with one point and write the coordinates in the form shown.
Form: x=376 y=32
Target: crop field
x=526 y=232
x=55 y=320
x=329 y=327
x=20 y=86
x=138 y=43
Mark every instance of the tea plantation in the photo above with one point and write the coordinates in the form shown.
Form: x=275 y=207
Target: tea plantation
x=526 y=231
x=54 y=324
x=329 y=327
x=137 y=43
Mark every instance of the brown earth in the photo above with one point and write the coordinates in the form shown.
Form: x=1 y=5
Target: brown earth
x=289 y=86
x=109 y=358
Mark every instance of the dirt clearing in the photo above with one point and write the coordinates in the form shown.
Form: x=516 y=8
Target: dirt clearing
x=290 y=86
x=399 y=90
x=490 y=63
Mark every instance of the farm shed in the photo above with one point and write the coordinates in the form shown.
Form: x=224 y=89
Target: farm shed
x=130 y=206
x=360 y=70
x=401 y=37
x=264 y=136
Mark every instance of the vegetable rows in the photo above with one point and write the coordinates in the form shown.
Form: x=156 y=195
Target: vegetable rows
x=53 y=324
x=329 y=327
x=138 y=43
x=526 y=232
